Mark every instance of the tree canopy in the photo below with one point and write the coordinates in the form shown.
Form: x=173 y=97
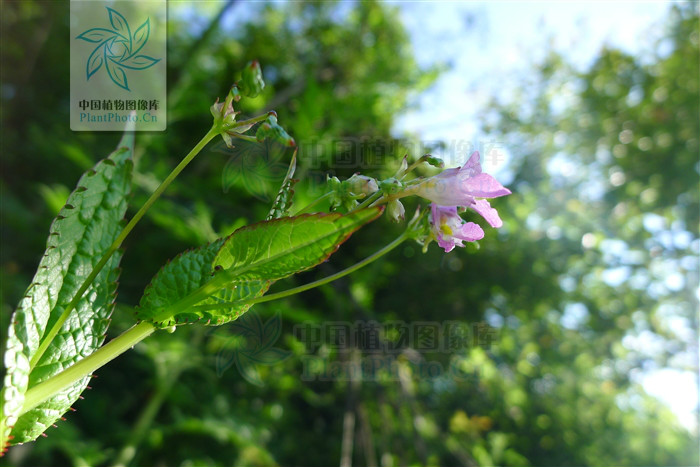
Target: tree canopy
x=549 y=324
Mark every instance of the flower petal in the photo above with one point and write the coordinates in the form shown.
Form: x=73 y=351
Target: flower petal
x=444 y=189
x=448 y=244
x=484 y=185
x=487 y=212
x=472 y=167
x=470 y=232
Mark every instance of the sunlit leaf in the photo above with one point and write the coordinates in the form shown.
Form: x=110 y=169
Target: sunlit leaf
x=80 y=235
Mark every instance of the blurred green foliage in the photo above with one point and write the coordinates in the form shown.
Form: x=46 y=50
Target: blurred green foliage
x=604 y=173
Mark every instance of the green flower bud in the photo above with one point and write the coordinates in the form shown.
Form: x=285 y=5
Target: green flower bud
x=434 y=161
x=271 y=129
x=252 y=84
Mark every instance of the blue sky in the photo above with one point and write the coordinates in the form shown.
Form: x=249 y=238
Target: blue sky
x=490 y=43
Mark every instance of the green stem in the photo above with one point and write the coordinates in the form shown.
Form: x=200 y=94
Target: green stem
x=46 y=341
x=44 y=390
x=410 y=168
x=250 y=139
x=250 y=121
x=117 y=346
x=368 y=201
x=286 y=293
x=313 y=203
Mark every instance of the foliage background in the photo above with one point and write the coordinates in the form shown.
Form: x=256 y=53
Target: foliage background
x=576 y=283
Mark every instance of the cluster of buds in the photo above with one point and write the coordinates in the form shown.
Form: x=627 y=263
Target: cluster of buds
x=250 y=85
x=451 y=191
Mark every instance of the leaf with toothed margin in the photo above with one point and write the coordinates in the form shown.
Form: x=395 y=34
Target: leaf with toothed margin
x=79 y=236
x=244 y=265
x=185 y=274
x=278 y=248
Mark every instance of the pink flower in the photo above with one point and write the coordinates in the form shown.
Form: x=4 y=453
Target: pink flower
x=460 y=186
x=450 y=230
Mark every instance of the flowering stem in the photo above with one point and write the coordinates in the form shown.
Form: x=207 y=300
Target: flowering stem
x=374 y=197
x=120 y=344
x=410 y=168
x=286 y=293
x=117 y=346
x=117 y=243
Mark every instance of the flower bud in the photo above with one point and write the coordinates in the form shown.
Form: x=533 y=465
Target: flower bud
x=252 y=84
x=271 y=129
x=403 y=167
x=361 y=185
x=434 y=161
x=395 y=210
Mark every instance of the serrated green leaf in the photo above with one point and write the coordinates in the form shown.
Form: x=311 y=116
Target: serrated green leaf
x=80 y=235
x=205 y=283
x=278 y=248
x=283 y=201
x=185 y=274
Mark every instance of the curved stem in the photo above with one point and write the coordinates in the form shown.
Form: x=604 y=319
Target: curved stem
x=286 y=293
x=117 y=346
x=46 y=341
x=44 y=390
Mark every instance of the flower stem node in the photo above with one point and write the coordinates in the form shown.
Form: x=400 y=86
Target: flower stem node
x=391 y=186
